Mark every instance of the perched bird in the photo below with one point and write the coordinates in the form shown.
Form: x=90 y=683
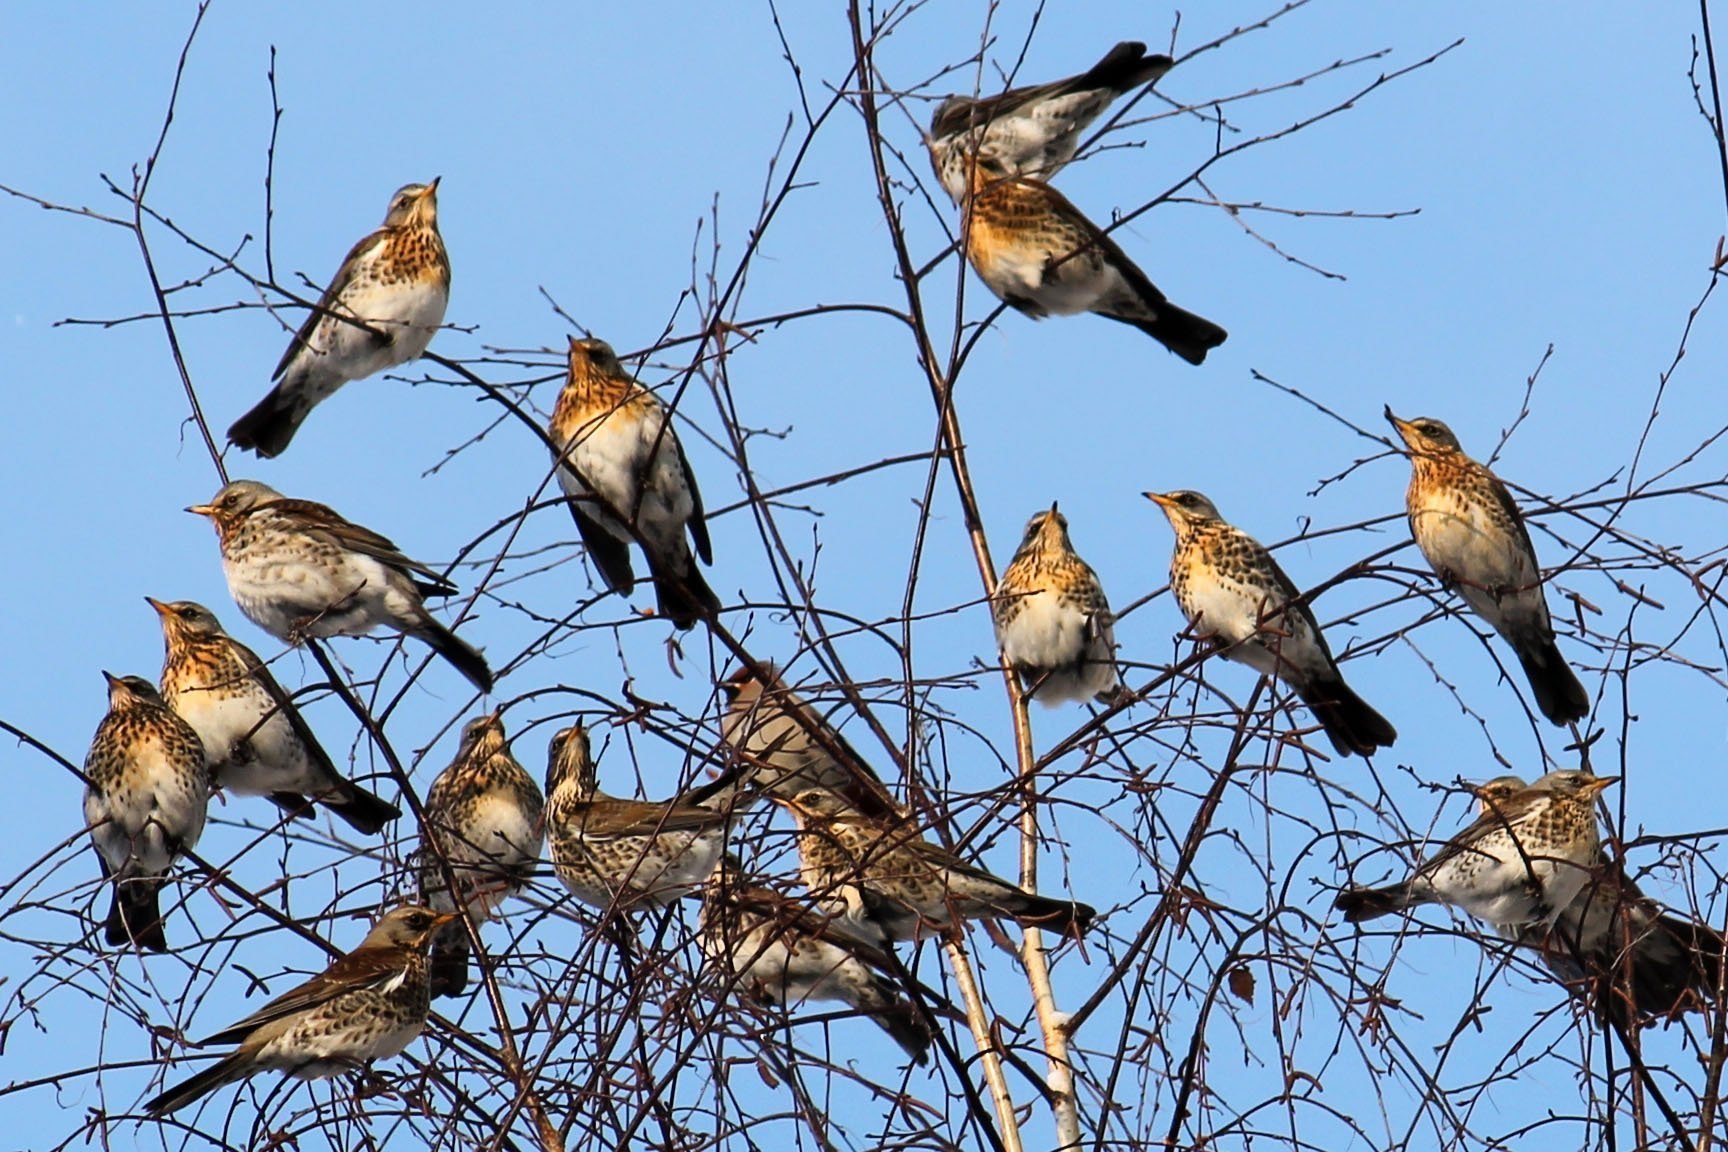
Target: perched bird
x=1053 y=624
x=625 y=473
x=381 y=310
x=1034 y=131
x=780 y=952
x=368 y=1004
x=1040 y=255
x=786 y=746
x=609 y=851
x=255 y=741
x=298 y=569
x=1474 y=538
x=1235 y=595
x=483 y=826
x=884 y=878
x=1521 y=863
x=1615 y=945
x=144 y=803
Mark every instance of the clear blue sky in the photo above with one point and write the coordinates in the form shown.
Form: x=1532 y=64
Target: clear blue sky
x=1569 y=195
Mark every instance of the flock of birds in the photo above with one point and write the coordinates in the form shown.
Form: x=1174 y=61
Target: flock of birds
x=1531 y=865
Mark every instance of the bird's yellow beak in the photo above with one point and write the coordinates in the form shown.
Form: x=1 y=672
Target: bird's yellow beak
x=202 y=510
x=432 y=188
x=1403 y=426
x=161 y=608
x=1595 y=788
x=1159 y=499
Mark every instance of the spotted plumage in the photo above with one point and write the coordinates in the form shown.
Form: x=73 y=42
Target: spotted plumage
x=1041 y=255
x=1236 y=596
x=780 y=952
x=366 y=1005
x=255 y=741
x=1615 y=945
x=144 y=802
x=1521 y=863
x=484 y=826
x=298 y=569
x=610 y=851
x=1473 y=536
x=380 y=310
x=889 y=883
x=628 y=480
x=1053 y=624
x=1033 y=131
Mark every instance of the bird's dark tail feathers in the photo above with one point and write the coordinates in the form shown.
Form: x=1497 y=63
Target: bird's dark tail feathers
x=1187 y=335
x=447 y=972
x=363 y=812
x=135 y=917
x=271 y=424
x=685 y=597
x=230 y=1068
x=901 y=1021
x=1359 y=904
x=1063 y=917
x=1123 y=68
x=1350 y=723
x=459 y=652
x=1558 y=693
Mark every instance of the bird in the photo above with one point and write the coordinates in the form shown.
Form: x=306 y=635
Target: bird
x=1033 y=131
x=147 y=792
x=1519 y=864
x=380 y=310
x=780 y=952
x=786 y=746
x=366 y=1005
x=1615 y=945
x=255 y=740
x=1053 y=624
x=610 y=851
x=620 y=463
x=483 y=824
x=1040 y=255
x=885 y=879
x=1473 y=536
x=298 y=569
x=1235 y=595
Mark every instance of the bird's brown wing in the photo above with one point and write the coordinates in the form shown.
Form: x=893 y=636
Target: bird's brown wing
x=362 y=968
x=260 y=673
x=797 y=917
x=698 y=521
x=1503 y=814
x=327 y=302
x=612 y=817
x=320 y=519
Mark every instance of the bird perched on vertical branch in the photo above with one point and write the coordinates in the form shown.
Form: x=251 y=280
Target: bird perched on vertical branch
x=786 y=746
x=1041 y=256
x=366 y=1005
x=1033 y=131
x=145 y=799
x=380 y=310
x=1473 y=536
x=1521 y=863
x=1613 y=944
x=1235 y=595
x=298 y=569
x=886 y=880
x=780 y=952
x=609 y=851
x=255 y=740
x=484 y=828
x=1053 y=623
x=625 y=472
